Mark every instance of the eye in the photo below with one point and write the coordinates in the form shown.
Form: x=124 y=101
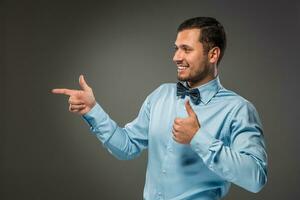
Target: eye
x=186 y=50
x=175 y=48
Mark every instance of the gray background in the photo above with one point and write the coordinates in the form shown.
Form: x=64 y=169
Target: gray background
x=48 y=153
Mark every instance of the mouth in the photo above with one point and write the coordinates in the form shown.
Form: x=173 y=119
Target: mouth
x=181 y=68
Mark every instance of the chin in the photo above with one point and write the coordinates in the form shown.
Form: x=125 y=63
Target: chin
x=180 y=78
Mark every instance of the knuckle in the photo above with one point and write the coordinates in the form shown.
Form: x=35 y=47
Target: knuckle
x=176 y=127
x=174 y=133
x=177 y=120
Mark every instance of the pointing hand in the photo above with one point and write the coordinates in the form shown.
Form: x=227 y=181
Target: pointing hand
x=81 y=101
x=184 y=129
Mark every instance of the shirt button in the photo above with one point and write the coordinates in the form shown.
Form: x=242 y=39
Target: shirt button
x=164 y=171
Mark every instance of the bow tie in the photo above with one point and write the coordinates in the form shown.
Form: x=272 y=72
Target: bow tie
x=193 y=93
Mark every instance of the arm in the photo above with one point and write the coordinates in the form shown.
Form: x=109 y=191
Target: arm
x=244 y=161
x=124 y=143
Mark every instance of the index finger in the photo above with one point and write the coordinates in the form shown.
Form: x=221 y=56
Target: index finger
x=64 y=91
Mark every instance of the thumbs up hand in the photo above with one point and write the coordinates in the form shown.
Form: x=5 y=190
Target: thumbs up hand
x=81 y=101
x=184 y=129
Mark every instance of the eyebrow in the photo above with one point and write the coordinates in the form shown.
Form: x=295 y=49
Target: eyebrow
x=183 y=46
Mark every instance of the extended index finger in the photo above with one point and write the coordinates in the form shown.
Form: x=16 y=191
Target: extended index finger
x=63 y=91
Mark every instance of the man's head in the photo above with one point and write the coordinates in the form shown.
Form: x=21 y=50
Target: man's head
x=199 y=46
x=212 y=33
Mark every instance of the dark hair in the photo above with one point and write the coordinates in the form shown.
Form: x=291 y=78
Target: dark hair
x=212 y=33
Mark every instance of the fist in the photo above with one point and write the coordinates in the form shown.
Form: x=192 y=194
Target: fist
x=184 y=129
x=80 y=101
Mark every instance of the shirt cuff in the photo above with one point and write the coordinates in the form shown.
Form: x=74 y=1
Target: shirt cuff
x=100 y=123
x=201 y=143
x=94 y=116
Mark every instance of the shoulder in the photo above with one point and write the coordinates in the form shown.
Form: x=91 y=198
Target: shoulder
x=237 y=104
x=241 y=108
x=164 y=89
x=233 y=98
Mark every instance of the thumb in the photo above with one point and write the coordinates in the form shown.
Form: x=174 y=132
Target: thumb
x=189 y=109
x=82 y=83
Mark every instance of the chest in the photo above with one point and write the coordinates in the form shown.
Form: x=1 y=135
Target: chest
x=213 y=117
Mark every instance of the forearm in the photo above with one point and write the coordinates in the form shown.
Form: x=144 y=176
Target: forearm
x=121 y=142
x=246 y=168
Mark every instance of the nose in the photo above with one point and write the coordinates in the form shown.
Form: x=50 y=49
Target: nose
x=177 y=56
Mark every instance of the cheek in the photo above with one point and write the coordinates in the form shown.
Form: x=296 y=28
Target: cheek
x=194 y=62
x=194 y=58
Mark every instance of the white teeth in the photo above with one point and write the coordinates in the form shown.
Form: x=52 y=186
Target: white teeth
x=182 y=68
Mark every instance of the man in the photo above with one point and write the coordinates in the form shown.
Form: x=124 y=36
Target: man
x=200 y=136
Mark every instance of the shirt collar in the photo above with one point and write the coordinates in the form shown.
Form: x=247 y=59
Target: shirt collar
x=208 y=90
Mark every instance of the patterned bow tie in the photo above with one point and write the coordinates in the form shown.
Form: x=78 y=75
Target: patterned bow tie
x=193 y=93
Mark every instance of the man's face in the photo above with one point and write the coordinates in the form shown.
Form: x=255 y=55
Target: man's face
x=192 y=63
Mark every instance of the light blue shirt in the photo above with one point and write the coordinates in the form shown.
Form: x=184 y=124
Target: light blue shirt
x=228 y=148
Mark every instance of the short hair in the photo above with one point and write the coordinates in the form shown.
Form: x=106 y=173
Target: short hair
x=212 y=33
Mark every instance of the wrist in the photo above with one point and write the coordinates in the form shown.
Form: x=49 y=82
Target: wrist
x=93 y=104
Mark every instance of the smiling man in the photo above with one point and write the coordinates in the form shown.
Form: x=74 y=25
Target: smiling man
x=200 y=136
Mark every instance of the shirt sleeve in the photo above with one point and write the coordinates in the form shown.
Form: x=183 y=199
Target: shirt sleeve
x=123 y=142
x=242 y=162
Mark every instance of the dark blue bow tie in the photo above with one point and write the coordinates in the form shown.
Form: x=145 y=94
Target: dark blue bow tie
x=193 y=93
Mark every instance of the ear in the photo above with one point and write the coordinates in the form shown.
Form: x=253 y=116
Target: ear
x=213 y=55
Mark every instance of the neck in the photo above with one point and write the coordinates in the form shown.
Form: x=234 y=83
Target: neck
x=206 y=79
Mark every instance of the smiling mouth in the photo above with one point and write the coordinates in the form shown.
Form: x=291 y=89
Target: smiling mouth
x=181 y=68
